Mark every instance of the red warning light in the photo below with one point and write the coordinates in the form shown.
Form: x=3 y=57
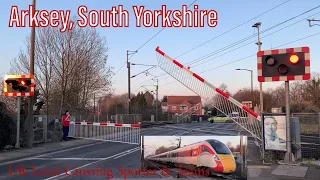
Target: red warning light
x=294 y=59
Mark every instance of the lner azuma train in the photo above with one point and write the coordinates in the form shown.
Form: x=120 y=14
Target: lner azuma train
x=210 y=154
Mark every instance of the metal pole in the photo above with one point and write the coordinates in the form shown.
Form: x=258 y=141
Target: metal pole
x=94 y=107
x=18 y=122
x=241 y=155
x=31 y=98
x=319 y=123
x=142 y=148
x=289 y=156
x=129 y=84
x=252 y=95
x=98 y=112
x=251 y=82
x=157 y=89
x=261 y=92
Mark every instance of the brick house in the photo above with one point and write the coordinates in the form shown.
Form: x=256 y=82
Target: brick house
x=181 y=104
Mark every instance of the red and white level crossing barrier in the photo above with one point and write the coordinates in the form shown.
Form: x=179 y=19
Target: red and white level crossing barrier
x=247 y=119
x=107 y=124
x=114 y=132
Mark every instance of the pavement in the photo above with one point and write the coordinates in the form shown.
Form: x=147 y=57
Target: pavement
x=113 y=160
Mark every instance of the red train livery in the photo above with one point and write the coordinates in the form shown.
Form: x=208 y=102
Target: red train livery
x=210 y=154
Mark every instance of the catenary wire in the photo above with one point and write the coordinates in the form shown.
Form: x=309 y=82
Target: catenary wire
x=230 y=30
x=186 y=52
x=306 y=37
x=245 y=39
x=149 y=40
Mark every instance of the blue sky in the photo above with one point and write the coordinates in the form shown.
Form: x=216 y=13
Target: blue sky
x=175 y=41
x=151 y=143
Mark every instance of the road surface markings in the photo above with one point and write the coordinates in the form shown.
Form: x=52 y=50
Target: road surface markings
x=47 y=154
x=82 y=159
x=128 y=153
x=67 y=159
x=64 y=174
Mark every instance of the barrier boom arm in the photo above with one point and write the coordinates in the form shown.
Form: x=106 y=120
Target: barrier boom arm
x=222 y=100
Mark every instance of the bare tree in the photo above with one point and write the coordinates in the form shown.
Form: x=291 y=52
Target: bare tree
x=297 y=91
x=223 y=87
x=69 y=67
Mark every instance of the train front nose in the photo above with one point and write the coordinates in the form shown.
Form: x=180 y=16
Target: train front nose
x=228 y=163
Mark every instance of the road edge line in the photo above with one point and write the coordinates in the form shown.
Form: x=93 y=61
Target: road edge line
x=49 y=152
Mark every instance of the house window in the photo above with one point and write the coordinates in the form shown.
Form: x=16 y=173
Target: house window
x=196 y=107
x=173 y=107
x=183 y=107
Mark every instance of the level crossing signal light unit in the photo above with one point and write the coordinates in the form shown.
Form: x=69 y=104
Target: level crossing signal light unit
x=19 y=85
x=284 y=64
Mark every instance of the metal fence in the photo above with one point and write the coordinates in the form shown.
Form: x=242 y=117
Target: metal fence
x=49 y=129
x=114 y=132
x=310 y=134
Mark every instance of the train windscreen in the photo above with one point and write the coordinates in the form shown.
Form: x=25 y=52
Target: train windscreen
x=219 y=147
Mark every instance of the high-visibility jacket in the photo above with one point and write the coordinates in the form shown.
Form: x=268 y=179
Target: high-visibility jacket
x=64 y=120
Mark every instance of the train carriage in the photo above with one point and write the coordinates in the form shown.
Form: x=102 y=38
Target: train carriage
x=209 y=154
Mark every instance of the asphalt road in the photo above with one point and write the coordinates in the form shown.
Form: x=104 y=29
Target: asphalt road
x=110 y=159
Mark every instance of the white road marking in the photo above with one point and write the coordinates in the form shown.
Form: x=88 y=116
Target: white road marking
x=68 y=159
x=47 y=154
x=82 y=159
x=62 y=174
x=127 y=153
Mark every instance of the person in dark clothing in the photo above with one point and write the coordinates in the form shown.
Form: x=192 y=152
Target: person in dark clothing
x=65 y=125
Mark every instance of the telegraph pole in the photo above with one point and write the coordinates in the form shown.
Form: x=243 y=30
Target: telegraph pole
x=31 y=98
x=129 y=78
x=251 y=73
x=257 y=25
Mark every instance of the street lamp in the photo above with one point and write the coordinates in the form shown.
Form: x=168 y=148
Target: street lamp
x=259 y=43
x=251 y=71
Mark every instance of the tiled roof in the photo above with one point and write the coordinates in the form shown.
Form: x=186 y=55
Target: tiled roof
x=180 y=99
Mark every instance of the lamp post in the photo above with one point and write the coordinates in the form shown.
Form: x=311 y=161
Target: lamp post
x=259 y=43
x=251 y=71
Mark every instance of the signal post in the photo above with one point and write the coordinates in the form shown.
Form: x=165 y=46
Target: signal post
x=18 y=86
x=284 y=65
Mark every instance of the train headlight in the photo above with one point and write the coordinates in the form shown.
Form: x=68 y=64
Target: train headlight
x=215 y=157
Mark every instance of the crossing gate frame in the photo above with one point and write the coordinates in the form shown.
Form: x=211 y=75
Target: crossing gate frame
x=222 y=101
x=112 y=132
